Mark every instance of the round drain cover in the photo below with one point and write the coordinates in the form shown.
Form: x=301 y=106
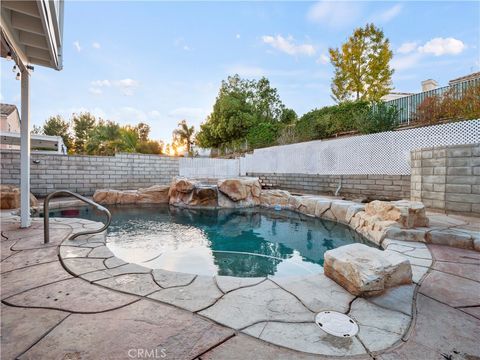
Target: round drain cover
x=336 y=323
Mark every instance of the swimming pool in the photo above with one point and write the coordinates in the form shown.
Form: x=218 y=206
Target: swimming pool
x=234 y=242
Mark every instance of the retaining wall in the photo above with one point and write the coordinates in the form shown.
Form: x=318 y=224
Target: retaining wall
x=353 y=186
x=447 y=178
x=85 y=174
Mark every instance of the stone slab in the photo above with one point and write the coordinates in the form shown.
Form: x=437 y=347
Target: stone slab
x=469 y=271
x=22 y=327
x=317 y=292
x=145 y=325
x=262 y=302
x=229 y=283
x=167 y=279
x=234 y=349
x=80 y=266
x=74 y=295
x=446 y=253
x=26 y=258
x=438 y=285
x=16 y=281
x=309 y=338
x=440 y=332
x=202 y=292
x=137 y=284
x=399 y=299
x=380 y=328
x=67 y=252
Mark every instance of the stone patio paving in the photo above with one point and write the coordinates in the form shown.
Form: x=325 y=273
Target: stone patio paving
x=75 y=300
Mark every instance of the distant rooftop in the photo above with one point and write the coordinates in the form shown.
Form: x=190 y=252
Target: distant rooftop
x=7 y=109
x=472 y=76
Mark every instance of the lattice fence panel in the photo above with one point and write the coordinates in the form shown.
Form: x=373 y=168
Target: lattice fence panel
x=382 y=153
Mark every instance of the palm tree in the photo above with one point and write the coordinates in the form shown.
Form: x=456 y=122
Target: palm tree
x=183 y=134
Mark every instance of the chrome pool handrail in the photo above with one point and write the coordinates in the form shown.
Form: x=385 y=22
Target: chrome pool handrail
x=46 y=215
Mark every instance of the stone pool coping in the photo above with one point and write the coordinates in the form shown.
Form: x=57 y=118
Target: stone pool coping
x=279 y=310
x=26 y=282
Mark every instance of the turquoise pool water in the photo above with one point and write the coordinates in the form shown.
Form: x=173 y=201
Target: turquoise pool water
x=234 y=242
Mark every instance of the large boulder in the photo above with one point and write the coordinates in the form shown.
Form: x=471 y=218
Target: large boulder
x=190 y=193
x=10 y=197
x=156 y=194
x=272 y=198
x=366 y=271
x=239 y=192
x=408 y=214
x=106 y=196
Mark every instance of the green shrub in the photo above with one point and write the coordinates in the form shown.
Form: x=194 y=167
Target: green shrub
x=378 y=118
x=330 y=120
x=262 y=134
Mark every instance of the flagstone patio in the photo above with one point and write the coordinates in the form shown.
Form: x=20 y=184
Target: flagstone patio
x=75 y=300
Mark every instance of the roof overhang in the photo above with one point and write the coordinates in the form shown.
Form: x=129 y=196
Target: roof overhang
x=32 y=32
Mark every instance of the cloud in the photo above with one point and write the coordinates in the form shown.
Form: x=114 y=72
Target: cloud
x=405 y=62
x=443 y=46
x=288 y=46
x=237 y=36
x=323 y=59
x=77 y=46
x=389 y=14
x=334 y=14
x=96 y=45
x=101 y=83
x=126 y=86
x=95 y=91
x=407 y=47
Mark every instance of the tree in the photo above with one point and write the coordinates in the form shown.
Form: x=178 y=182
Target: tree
x=104 y=139
x=362 y=70
x=37 y=129
x=83 y=125
x=57 y=126
x=183 y=135
x=143 y=131
x=243 y=107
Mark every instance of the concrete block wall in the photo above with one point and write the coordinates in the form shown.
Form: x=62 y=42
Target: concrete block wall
x=85 y=174
x=447 y=178
x=390 y=187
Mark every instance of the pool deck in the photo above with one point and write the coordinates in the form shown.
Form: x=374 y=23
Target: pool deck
x=74 y=300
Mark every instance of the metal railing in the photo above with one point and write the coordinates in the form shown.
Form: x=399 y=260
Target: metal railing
x=46 y=215
x=408 y=105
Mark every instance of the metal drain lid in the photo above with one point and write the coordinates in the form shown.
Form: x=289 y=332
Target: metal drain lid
x=336 y=323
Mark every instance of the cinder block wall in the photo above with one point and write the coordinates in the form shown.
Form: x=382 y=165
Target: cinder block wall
x=390 y=187
x=447 y=178
x=85 y=174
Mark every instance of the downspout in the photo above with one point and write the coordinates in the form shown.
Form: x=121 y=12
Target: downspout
x=339 y=186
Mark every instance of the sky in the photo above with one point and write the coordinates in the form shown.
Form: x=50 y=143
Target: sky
x=161 y=62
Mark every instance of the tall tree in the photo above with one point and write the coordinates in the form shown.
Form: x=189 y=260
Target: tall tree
x=57 y=126
x=242 y=110
x=183 y=135
x=362 y=70
x=83 y=125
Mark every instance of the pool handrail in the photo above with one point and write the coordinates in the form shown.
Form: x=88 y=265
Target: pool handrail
x=46 y=215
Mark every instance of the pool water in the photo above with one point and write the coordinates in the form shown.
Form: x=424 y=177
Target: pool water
x=234 y=242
